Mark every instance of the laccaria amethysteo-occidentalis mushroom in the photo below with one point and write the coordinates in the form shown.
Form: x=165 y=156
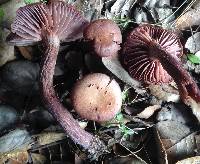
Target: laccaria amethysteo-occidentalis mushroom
x=152 y=54
x=51 y=23
x=104 y=36
x=102 y=98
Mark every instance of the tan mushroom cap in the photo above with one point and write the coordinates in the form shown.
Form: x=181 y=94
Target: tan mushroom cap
x=97 y=97
x=105 y=36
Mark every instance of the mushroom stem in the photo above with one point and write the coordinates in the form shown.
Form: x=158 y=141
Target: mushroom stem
x=52 y=103
x=172 y=64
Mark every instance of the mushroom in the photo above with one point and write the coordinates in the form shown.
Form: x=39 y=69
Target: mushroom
x=152 y=55
x=102 y=98
x=51 y=23
x=105 y=37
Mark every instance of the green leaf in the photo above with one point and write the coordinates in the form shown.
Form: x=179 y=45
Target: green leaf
x=193 y=58
x=119 y=117
x=1 y=14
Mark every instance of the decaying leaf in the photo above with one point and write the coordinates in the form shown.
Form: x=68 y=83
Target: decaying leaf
x=15 y=157
x=175 y=112
x=9 y=9
x=49 y=137
x=193 y=43
x=149 y=111
x=91 y=9
x=160 y=11
x=183 y=148
x=22 y=157
x=164 y=92
x=6 y=51
x=195 y=107
x=162 y=153
x=17 y=139
x=122 y=7
x=171 y=132
x=38 y=158
x=190 y=17
x=192 y=160
x=25 y=52
x=114 y=65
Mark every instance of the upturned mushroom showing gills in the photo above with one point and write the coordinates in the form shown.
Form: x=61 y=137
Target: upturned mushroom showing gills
x=51 y=23
x=104 y=36
x=102 y=98
x=152 y=54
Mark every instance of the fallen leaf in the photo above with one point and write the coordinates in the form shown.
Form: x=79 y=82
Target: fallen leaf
x=16 y=139
x=192 y=43
x=48 y=138
x=165 y=92
x=183 y=148
x=16 y=157
x=149 y=111
x=113 y=64
x=38 y=158
x=190 y=17
x=171 y=132
x=191 y=160
x=195 y=107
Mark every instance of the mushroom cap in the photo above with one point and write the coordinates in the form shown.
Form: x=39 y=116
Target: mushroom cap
x=105 y=36
x=37 y=21
x=97 y=97
x=141 y=61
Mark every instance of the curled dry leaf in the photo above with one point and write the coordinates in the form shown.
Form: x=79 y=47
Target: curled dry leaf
x=190 y=18
x=113 y=64
x=149 y=111
x=192 y=160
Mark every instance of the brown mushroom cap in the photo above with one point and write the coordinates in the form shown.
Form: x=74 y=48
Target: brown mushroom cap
x=105 y=36
x=97 y=97
x=141 y=61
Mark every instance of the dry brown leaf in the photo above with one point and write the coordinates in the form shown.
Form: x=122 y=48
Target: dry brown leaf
x=16 y=157
x=164 y=92
x=195 y=108
x=171 y=132
x=163 y=158
x=186 y=147
x=113 y=64
x=38 y=158
x=149 y=111
x=190 y=18
x=49 y=137
x=192 y=160
x=25 y=52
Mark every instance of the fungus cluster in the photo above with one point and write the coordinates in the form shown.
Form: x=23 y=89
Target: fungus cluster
x=152 y=55
x=97 y=97
x=104 y=36
x=51 y=23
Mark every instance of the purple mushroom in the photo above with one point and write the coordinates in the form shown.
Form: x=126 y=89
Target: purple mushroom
x=51 y=23
x=152 y=54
